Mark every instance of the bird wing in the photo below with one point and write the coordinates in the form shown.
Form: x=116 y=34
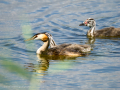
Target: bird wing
x=109 y=31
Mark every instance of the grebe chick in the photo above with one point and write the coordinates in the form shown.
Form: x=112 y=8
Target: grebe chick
x=105 y=32
x=63 y=49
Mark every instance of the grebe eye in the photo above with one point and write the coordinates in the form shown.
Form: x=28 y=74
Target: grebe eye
x=35 y=36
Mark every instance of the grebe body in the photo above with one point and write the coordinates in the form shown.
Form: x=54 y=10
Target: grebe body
x=105 y=32
x=63 y=49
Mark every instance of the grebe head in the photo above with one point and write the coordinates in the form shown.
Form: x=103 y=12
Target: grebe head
x=43 y=37
x=90 y=22
x=39 y=36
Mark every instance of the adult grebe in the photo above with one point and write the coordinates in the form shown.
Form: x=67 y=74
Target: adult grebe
x=105 y=32
x=63 y=49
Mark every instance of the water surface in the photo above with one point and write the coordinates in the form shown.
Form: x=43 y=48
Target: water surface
x=21 y=68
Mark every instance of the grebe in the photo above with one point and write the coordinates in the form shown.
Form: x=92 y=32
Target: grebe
x=74 y=50
x=105 y=32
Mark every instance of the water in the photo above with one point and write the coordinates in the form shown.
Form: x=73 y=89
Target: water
x=20 y=68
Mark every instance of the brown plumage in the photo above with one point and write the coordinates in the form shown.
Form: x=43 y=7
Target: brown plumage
x=69 y=50
x=108 y=32
x=105 y=32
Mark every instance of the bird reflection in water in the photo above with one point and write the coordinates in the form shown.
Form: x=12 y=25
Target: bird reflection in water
x=43 y=63
x=40 y=68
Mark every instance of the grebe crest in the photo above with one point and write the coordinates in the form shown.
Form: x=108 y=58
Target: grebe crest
x=52 y=42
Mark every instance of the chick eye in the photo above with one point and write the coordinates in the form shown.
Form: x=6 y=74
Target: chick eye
x=88 y=21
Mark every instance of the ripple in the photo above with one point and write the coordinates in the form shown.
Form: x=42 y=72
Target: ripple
x=4 y=2
x=37 y=20
x=42 y=9
x=107 y=69
x=53 y=13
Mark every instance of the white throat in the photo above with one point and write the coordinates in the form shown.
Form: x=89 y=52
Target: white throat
x=91 y=32
x=43 y=49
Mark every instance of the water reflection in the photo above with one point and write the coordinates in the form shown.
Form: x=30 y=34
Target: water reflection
x=43 y=63
x=40 y=68
x=91 y=41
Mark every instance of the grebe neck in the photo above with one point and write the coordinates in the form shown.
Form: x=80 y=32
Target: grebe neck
x=43 y=48
x=91 y=32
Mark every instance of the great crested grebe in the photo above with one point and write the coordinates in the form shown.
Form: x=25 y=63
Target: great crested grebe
x=105 y=32
x=63 y=49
